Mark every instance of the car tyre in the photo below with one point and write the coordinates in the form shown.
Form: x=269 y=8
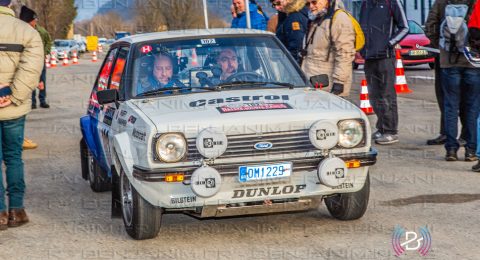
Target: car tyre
x=96 y=176
x=142 y=220
x=349 y=206
x=84 y=159
x=355 y=66
x=431 y=65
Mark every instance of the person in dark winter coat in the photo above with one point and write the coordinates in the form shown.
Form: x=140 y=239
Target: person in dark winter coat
x=384 y=24
x=29 y=16
x=293 y=26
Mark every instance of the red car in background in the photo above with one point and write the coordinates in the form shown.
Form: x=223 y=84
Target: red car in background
x=411 y=55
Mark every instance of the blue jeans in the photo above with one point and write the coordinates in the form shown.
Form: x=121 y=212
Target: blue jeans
x=478 y=134
x=11 y=140
x=43 y=93
x=455 y=83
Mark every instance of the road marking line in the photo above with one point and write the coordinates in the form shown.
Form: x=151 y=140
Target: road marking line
x=422 y=77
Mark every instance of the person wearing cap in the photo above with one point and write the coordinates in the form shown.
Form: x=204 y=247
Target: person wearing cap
x=22 y=59
x=330 y=45
x=29 y=16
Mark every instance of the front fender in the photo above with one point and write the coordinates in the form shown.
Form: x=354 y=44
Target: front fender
x=124 y=152
x=127 y=155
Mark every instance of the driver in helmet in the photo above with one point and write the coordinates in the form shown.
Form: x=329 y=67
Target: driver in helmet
x=228 y=61
x=161 y=76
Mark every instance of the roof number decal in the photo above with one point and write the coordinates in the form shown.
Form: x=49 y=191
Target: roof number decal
x=208 y=41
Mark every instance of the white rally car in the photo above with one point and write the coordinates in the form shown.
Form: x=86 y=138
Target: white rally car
x=218 y=123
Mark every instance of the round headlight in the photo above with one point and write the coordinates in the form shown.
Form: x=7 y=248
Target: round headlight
x=171 y=147
x=350 y=133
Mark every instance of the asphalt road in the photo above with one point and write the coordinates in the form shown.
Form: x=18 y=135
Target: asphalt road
x=412 y=186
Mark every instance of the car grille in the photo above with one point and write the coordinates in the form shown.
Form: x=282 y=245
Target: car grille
x=243 y=145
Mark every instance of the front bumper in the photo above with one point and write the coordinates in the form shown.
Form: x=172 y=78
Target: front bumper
x=300 y=191
x=299 y=164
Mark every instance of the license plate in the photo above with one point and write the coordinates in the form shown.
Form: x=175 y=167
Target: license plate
x=264 y=172
x=418 y=53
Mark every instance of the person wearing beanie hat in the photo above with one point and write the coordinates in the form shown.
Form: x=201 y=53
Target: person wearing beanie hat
x=22 y=59
x=5 y=2
x=29 y=16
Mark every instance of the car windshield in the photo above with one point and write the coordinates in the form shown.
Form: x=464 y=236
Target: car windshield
x=196 y=65
x=62 y=43
x=414 y=28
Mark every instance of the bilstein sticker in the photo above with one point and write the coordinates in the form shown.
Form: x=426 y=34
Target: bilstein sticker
x=346 y=185
x=182 y=200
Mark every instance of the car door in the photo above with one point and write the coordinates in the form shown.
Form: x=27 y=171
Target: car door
x=101 y=116
x=117 y=82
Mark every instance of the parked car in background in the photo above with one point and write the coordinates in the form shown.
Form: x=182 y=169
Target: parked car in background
x=411 y=54
x=62 y=47
x=107 y=43
x=82 y=47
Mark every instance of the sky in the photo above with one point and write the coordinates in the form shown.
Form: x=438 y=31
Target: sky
x=88 y=8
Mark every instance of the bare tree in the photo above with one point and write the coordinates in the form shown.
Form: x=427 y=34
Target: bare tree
x=104 y=25
x=55 y=15
x=172 y=15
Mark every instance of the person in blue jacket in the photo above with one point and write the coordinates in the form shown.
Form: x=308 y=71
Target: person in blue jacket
x=258 y=19
x=292 y=26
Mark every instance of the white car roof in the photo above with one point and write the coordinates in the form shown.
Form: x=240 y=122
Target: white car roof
x=190 y=33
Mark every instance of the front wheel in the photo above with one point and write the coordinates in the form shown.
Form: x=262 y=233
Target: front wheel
x=431 y=65
x=349 y=206
x=355 y=65
x=142 y=220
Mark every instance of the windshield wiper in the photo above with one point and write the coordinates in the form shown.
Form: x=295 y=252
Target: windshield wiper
x=253 y=83
x=161 y=90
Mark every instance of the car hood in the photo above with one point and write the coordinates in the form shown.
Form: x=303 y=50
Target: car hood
x=241 y=107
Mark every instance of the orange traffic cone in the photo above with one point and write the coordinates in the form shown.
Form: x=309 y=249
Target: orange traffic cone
x=401 y=85
x=365 y=105
x=94 y=56
x=65 y=59
x=194 y=58
x=74 y=58
x=47 y=61
x=53 y=60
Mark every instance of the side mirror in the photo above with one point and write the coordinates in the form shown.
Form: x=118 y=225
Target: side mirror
x=107 y=96
x=320 y=81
